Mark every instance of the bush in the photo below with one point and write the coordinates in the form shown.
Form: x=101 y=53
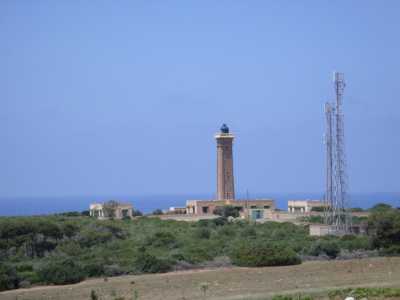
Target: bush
x=196 y=254
x=257 y=254
x=390 y=251
x=94 y=269
x=147 y=263
x=158 y=212
x=113 y=270
x=203 y=233
x=162 y=239
x=136 y=213
x=30 y=276
x=24 y=284
x=290 y=297
x=61 y=271
x=8 y=277
x=380 y=207
x=384 y=226
x=219 y=221
x=330 y=248
x=353 y=242
x=318 y=209
x=249 y=232
x=359 y=293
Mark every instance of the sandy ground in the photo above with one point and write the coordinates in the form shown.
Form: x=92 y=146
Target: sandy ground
x=228 y=283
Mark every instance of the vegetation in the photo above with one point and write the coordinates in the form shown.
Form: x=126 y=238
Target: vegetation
x=357 y=293
x=63 y=249
x=256 y=254
x=384 y=228
x=318 y=209
x=157 y=212
x=292 y=297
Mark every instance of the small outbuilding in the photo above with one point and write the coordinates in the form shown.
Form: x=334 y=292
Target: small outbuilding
x=305 y=206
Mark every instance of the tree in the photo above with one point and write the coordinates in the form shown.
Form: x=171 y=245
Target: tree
x=384 y=227
x=136 y=213
x=158 y=212
x=380 y=207
x=85 y=213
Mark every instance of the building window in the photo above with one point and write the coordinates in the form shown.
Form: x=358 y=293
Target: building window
x=205 y=209
x=266 y=207
x=257 y=214
x=253 y=206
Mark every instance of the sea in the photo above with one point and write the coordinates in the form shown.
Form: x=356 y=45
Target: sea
x=25 y=206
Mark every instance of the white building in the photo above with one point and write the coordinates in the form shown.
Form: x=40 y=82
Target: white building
x=305 y=206
x=121 y=210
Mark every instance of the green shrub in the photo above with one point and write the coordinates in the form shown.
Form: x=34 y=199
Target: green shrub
x=318 y=208
x=353 y=242
x=359 y=293
x=203 y=233
x=328 y=247
x=147 y=263
x=221 y=221
x=196 y=253
x=136 y=213
x=162 y=239
x=258 y=254
x=113 y=270
x=94 y=269
x=292 y=297
x=380 y=207
x=61 y=271
x=8 y=277
x=70 y=248
x=24 y=267
x=157 y=212
x=227 y=232
x=249 y=232
x=393 y=250
x=30 y=276
x=93 y=295
x=384 y=226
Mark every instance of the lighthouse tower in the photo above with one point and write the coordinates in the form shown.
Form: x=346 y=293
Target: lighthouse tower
x=225 y=179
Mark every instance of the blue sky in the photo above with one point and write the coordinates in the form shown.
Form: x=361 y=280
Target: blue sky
x=124 y=97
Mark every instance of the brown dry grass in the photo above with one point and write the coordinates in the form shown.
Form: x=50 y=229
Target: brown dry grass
x=228 y=283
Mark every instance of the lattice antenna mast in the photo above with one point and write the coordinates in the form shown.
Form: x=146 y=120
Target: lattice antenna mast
x=336 y=213
x=341 y=219
x=329 y=186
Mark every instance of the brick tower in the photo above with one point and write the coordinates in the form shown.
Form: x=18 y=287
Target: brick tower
x=225 y=180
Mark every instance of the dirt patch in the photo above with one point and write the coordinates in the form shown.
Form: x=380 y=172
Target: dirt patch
x=228 y=283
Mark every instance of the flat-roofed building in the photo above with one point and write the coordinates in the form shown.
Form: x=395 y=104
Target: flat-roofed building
x=176 y=211
x=305 y=206
x=111 y=209
x=252 y=208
